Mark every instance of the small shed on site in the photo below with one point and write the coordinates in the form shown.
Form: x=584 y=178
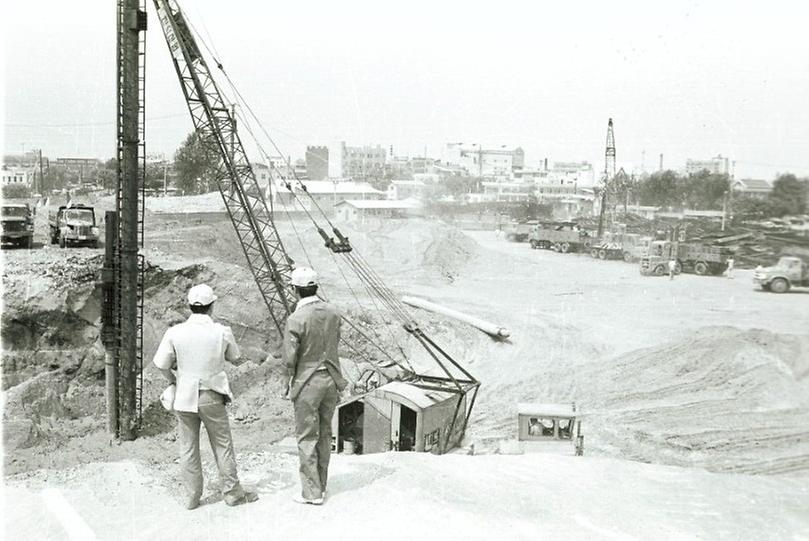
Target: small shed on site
x=546 y=421
x=350 y=210
x=399 y=416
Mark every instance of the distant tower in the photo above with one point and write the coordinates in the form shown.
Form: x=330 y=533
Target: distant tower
x=609 y=166
x=609 y=175
x=661 y=161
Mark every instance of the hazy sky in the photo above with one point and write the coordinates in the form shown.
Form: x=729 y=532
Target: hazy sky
x=686 y=79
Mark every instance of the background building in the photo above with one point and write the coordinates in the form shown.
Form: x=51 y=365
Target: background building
x=326 y=193
x=752 y=186
x=360 y=163
x=17 y=175
x=715 y=166
x=317 y=162
x=482 y=162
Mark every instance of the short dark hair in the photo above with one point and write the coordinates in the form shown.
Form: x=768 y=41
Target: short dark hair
x=200 y=309
x=306 y=291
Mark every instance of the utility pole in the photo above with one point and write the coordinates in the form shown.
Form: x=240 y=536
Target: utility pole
x=41 y=175
x=609 y=175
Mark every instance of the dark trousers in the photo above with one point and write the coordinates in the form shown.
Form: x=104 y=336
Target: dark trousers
x=314 y=409
x=214 y=416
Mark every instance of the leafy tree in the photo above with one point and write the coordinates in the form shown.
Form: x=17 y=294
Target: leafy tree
x=154 y=176
x=788 y=195
x=459 y=185
x=749 y=207
x=704 y=190
x=660 y=189
x=196 y=166
x=16 y=191
x=106 y=178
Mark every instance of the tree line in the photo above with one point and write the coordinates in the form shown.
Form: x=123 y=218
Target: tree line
x=709 y=191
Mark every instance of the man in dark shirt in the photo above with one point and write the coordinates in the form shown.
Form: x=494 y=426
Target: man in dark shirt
x=312 y=364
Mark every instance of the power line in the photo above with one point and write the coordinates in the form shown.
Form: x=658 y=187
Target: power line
x=84 y=124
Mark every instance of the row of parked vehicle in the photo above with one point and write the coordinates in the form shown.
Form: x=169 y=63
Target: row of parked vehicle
x=654 y=255
x=68 y=225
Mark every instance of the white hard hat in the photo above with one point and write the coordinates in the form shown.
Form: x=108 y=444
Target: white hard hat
x=303 y=277
x=167 y=398
x=201 y=295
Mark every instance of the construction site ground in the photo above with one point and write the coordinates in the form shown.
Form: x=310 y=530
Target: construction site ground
x=693 y=395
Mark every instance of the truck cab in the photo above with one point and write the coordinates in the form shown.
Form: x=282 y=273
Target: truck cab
x=74 y=225
x=787 y=273
x=655 y=262
x=17 y=224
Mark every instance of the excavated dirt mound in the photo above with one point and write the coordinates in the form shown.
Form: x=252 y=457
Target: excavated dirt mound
x=723 y=398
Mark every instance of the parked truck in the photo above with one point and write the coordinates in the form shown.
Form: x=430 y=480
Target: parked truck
x=693 y=257
x=627 y=246
x=787 y=273
x=564 y=237
x=18 y=224
x=516 y=231
x=74 y=225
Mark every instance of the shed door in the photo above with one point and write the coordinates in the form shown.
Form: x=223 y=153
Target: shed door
x=377 y=425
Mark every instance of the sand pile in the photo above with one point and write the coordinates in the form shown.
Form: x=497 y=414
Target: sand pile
x=725 y=399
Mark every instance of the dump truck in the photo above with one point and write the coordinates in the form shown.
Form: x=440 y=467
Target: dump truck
x=693 y=257
x=564 y=237
x=18 y=224
x=789 y=272
x=516 y=231
x=627 y=246
x=74 y=225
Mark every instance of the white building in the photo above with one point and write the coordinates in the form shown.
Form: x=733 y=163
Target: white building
x=577 y=173
x=325 y=194
x=482 y=162
x=754 y=187
x=350 y=210
x=406 y=189
x=17 y=175
x=716 y=166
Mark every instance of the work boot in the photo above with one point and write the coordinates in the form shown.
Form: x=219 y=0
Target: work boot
x=247 y=497
x=192 y=503
x=300 y=499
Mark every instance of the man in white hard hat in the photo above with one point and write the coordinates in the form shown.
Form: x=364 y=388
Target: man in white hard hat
x=311 y=337
x=199 y=347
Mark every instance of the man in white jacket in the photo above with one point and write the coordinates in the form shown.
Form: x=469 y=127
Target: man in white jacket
x=199 y=347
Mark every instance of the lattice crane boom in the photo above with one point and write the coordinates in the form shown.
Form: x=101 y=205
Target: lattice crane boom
x=244 y=200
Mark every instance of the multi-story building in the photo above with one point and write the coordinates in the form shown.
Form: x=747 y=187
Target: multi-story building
x=716 y=166
x=17 y=175
x=481 y=162
x=578 y=173
x=317 y=162
x=362 y=162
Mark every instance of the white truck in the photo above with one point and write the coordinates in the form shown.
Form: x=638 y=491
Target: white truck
x=789 y=272
x=74 y=225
